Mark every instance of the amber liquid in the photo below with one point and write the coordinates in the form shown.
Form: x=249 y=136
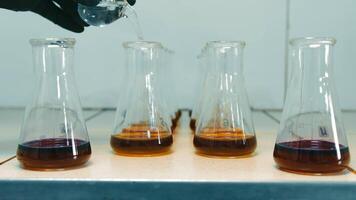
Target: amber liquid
x=311 y=156
x=178 y=114
x=141 y=141
x=54 y=153
x=174 y=124
x=192 y=124
x=224 y=142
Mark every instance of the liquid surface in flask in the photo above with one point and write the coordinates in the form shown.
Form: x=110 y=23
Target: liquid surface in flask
x=224 y=142
x=311 y=156
x=141 y=140
x=53 y=153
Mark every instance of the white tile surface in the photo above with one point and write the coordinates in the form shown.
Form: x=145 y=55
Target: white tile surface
x=182 y=165
x=100 y=127
x=182 y=25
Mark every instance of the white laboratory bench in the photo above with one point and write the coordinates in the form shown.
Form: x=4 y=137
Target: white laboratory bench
x=179 y=175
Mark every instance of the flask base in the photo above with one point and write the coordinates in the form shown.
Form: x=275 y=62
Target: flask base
x=131 y=146
x=311 y=157
x=53 y=154
x=225 y=144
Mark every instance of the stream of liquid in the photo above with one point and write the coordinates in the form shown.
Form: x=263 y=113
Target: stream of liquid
x=132 y=16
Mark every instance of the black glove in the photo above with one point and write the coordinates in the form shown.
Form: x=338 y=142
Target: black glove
x=61 y=12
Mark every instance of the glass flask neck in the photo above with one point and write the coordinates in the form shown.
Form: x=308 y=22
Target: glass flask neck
x=143 y=57
x=311 y=73
x=53 y=57
x=53 y=62
x=226 y=65
x=316 y=53
x=312 y=63
x=226 y=57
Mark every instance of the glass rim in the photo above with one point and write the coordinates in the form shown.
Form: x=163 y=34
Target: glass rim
x=61 y=42
x=226 y=43
x=140 y=44
x=312 y=40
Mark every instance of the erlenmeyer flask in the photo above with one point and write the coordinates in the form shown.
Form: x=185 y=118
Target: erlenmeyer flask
x=144 y=126
x=225 y=126
x=311 y=137
x=53 y=134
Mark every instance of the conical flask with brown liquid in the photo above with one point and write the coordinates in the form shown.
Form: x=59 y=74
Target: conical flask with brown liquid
x=142 y=125
x=311 y=137
x=225 y=126
x=54 y=134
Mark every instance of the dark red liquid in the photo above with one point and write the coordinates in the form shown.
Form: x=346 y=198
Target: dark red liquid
x=224 y=142
x=311 y=156
x=53 y=153
x=136 y=141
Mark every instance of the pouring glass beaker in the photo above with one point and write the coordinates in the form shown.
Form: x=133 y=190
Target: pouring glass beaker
x=107 y=11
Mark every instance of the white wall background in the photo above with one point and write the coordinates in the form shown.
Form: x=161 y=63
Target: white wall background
x=185 y=26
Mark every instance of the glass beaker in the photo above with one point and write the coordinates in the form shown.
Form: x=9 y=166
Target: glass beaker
x=107 y=11
x=53 y=133
x=311 y=137
x=225 y=126
x=143 y=128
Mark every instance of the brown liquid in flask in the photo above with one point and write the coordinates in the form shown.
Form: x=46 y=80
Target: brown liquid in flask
x=141 y=140
x=224 y=142
x=311 y=156
x=192 y=124
x=174 y=124
x=53 y=134
x=54 y=153
x=178 y=114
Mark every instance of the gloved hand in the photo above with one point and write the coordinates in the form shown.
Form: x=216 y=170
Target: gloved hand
x=61 y=12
